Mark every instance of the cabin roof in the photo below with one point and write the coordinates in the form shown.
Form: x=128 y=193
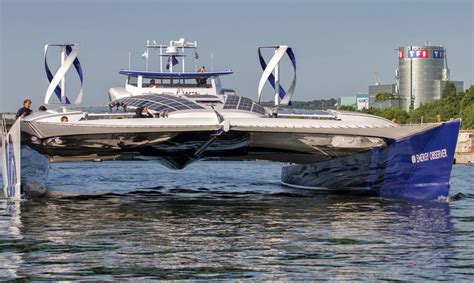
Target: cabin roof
x=168 y=75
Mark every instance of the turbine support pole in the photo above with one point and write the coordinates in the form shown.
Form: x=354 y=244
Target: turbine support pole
x=277 y=82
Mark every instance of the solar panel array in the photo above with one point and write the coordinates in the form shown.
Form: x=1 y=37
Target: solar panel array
x=257 y=108
x=169 y=103
x=243 y=103
x=161 y=102
x=232 y=102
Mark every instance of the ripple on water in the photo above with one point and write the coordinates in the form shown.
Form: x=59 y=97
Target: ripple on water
x=153 y=223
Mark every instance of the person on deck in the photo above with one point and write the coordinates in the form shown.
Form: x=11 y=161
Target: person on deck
x=202 y=80
x=25 y=110
x=143 y=112
x=152 y=84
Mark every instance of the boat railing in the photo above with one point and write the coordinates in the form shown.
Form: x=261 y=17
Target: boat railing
x=8 y=119
x=175 y=85
x=7 y=116
x=99 y=116
x=307 y=116
x=419 y=124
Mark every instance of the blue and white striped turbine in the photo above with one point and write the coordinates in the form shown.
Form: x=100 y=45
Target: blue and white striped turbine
x=282 y=97
x=68 y=57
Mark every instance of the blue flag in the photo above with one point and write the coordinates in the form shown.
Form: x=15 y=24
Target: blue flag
x=173 y=60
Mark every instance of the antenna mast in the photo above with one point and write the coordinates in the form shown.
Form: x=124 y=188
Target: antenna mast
x=377 y=81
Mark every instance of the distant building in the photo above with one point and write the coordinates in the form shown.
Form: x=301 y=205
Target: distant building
x=362 y=101
x=386 y=88
x=359 y=101
x=439 y=85
x=420 y=78
x=347 y=101
x=465 y=147
x=422 y=74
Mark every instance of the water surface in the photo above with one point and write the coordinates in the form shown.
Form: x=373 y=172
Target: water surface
x=229 y=220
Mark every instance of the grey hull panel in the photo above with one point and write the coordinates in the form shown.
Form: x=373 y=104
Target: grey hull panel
x=34 y=172
x=345 y=173
x=283 y=147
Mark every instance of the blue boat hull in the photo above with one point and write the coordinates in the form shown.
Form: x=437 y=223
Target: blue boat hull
x=415 y=167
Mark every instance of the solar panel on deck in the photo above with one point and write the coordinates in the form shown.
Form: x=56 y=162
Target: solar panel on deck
x=160 y=102
x=257 y=108
x=232 y=102
x=245 y=104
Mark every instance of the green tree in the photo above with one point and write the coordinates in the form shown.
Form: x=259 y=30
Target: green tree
x=372 y=111
x=381 y=97
x=449 y=89
x=468 y=98
x=467 y=116
x=395 y=113
x=347 y=108
x=448 y=107
x=384 y=96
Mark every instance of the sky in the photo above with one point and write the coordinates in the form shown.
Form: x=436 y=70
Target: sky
x=339 y=44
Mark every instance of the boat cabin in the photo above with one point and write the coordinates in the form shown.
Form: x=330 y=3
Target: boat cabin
x=170 y=81
x=174 y=83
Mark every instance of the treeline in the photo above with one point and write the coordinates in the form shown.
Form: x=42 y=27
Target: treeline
x=452 y=105
x=315 y=104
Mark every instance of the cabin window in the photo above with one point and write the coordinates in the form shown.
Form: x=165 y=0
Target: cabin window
x=172 y=83
x=186 y=83
x=132 y=81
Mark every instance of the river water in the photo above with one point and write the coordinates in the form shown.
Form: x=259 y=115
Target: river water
x=229 y=220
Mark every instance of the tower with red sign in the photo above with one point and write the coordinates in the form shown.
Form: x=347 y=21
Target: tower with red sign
x=422 y=74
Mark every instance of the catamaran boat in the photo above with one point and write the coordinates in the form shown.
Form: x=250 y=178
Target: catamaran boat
x=177 y=117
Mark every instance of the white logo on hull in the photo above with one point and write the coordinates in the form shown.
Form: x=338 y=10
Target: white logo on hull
x=429 y=156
